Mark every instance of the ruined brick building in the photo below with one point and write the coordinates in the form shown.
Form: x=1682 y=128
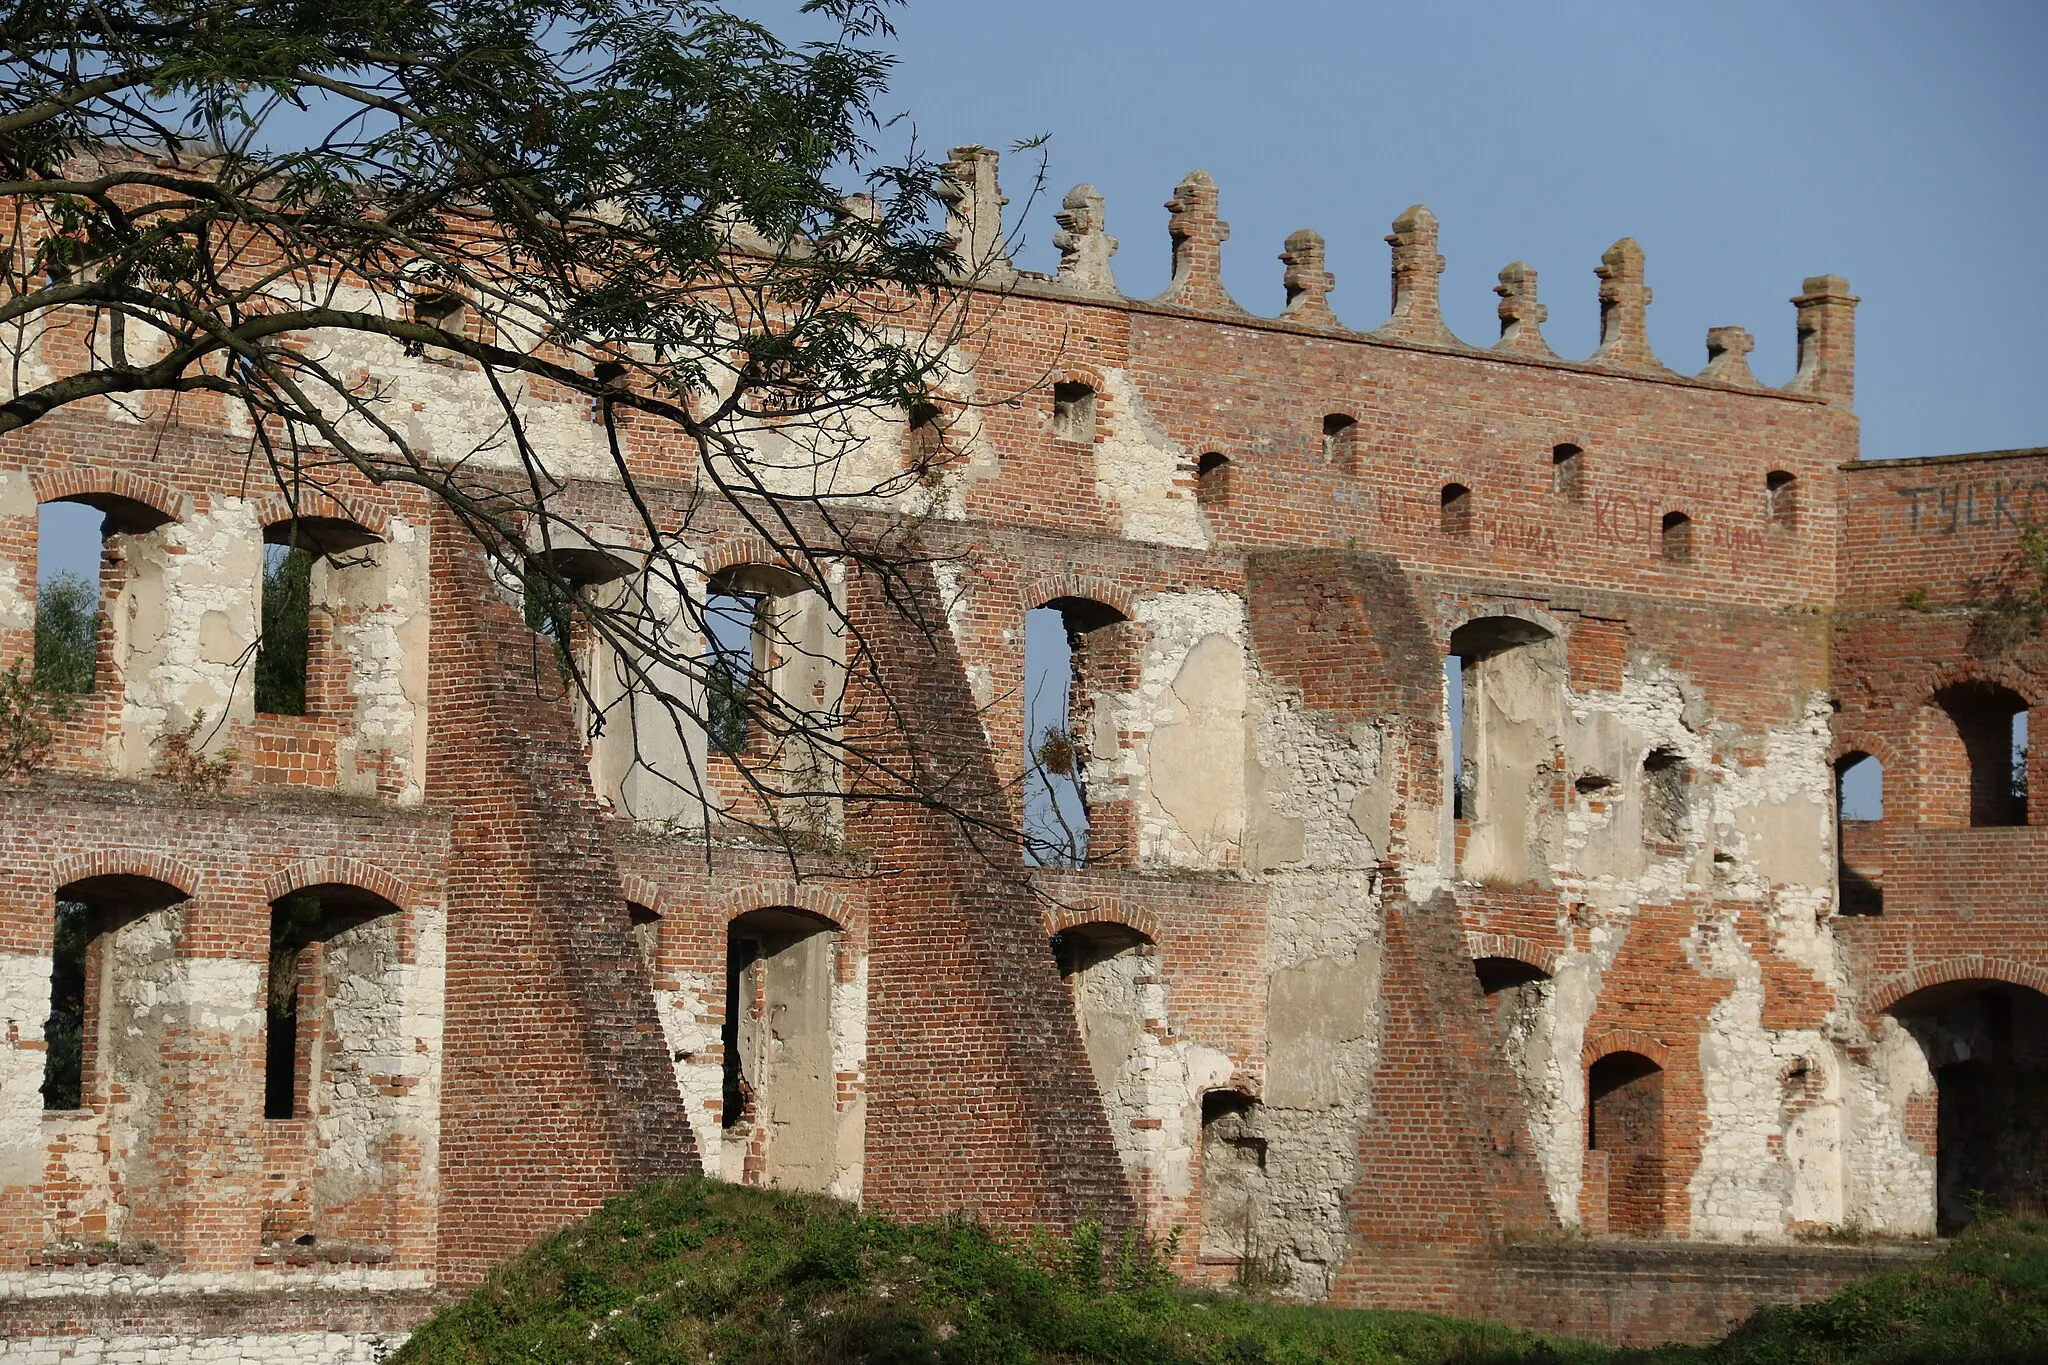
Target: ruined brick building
x=1586 y=1011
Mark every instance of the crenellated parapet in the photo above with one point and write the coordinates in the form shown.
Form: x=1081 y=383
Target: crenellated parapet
x=974 y=228
x=1521 y=316
x=1417 y=311
x=1728 y=351
x=1827 y=339
x=974 y=215
x=1307 y=281
x=1198 y=232
x=1084 y=243
x=1624 y=310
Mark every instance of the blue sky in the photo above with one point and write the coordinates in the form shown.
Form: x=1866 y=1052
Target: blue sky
x=1744 y=145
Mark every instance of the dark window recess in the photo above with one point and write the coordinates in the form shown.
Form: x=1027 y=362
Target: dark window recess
x=738 y=1090
x=1455 y=510
x=1568 y=471
x=1664 y=798
x=1340 y=438
x=64 y=1030
x=294 y=922
x=1991 y=722
x=1073 y=412
x=927 y=439
x=1677 y=538
x=1780 y=498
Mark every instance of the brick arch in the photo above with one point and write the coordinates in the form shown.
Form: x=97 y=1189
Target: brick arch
x=729 y=552
x=1136 y=918
x=1076 y=373
x=2001 y=672
x=86 y=482
x=1625 y=1040
x=1105 y=404
x=338 y=871
x=639 y=890
x=121 y=863
x=1046 y=588
x=769 y=893
x=1973 y=967
x=1523 y=950
x=1465 y=613
x=272 y=509
x=1859 y=741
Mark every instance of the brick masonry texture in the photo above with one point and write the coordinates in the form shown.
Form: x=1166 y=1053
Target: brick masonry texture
x=1584 y=1012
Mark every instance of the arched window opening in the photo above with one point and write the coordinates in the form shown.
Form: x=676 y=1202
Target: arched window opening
x=1859 y=835
x=70 y=538
x=1057 y=711
x=1982 y=750
x=308 y=563
x=1665 y=803
x=1212 y=472
x=332 y=995
x=1568 y=471
x=1519 y=993
x=335 y=1040
x=1981 y=1043
x=64 y=1030
x=1454 y=515
x=927 y=436
x=780 y=1096
x=646 y=927
x=1781 y=504
x=101 y=937
x=81 y=568
x=1340 y=439
x=1502 y=693
x=1677 y=538
x=766 y=638
x=1109 y=968
x=1073 y=412
x=1233 y=1179
x=1501 y=976
x=1624 y=1185
x=444 y=312
x=293 y=921
x=735 y=650
x=610 y=376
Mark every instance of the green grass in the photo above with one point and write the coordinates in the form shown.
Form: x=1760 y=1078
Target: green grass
x=1982 y=1301
x=697 y=1271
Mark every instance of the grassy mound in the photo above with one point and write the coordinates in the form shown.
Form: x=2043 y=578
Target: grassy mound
x=697 y=1271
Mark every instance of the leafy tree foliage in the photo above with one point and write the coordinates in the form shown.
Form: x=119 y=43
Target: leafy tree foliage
x=640 y=205
x=281 y=649
x=67 y=633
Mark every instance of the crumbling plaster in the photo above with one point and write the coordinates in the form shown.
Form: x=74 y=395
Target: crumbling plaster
x=1323 y=948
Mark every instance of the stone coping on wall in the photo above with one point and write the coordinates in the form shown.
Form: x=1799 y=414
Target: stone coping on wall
x=1624 y=1293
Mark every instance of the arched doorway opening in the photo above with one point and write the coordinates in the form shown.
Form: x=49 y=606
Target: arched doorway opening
x=1625 y=1144
x=781 y=1097
x=1986 y=1048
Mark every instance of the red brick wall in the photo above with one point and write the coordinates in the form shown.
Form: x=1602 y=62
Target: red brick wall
x=1628 y=1295
x=555 y=1065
